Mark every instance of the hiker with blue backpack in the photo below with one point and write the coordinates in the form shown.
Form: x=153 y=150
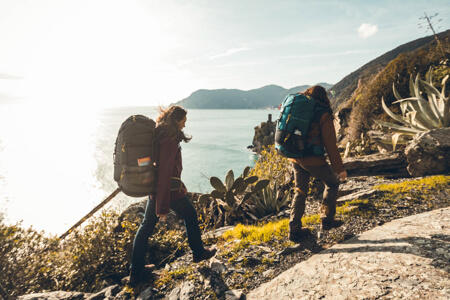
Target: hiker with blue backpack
x=304 y=133
x=148 y=162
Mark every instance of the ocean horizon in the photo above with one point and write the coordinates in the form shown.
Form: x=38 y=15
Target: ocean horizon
x=55 y=166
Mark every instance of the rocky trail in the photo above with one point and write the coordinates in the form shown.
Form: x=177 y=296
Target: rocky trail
x=385 y=237
x=407 y=258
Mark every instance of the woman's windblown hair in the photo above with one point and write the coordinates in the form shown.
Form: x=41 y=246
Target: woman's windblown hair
x=319 y=94
x=168 y=120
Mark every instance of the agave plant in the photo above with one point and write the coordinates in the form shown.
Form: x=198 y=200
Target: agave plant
x=231 y=196
x=418 y=114
x=269 y=200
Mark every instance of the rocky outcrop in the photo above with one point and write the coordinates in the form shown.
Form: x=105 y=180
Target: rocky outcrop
x=376 y=164
x=429 y=153
x=264 y=135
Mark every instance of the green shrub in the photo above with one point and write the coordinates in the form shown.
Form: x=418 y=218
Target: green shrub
x=368 y=106
x=89 y=258
x=272 y=166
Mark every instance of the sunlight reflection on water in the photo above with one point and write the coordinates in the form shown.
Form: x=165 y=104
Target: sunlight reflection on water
x=56 y=162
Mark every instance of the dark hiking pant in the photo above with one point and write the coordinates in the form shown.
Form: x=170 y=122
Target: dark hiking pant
x=184 y=209
x=302 y=177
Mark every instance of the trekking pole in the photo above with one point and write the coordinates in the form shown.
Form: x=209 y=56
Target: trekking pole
x=109 y=198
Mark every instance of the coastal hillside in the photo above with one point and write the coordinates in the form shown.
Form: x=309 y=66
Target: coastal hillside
x=357 y=97
x=267 y=96
x=346 y=86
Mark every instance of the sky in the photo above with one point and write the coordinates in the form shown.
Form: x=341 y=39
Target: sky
x=109 y=53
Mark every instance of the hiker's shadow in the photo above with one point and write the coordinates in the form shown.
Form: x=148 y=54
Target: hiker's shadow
x=436 y=248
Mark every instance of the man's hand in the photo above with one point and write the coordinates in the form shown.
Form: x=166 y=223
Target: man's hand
x=343 y=175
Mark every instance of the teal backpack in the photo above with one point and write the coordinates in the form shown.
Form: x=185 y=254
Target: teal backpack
x=297 y=113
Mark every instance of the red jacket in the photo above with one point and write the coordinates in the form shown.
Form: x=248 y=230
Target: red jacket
x=169 y=188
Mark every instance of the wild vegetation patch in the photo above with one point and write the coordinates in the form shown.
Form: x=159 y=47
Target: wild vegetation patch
x=85 y=261
x=424 y=185
x=366 y=105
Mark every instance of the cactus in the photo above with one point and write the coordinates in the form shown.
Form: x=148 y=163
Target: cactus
x=231 y=196
x=418 y=115
x=269 y=200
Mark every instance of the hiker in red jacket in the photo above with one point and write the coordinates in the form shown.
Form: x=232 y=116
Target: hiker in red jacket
x=171 y=193
x=321 y=133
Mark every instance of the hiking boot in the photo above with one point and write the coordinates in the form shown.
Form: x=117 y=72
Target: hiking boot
x=299 y=235
x=137 y=278
x=329 y=224
x=206 y=254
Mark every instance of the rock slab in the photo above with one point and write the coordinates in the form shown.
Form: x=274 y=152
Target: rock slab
x=429 y=153
x=407 y=258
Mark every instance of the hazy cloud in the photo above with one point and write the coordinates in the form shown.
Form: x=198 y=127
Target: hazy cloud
x=349 y=52
x=9 y=76
x=366 y=30
x=229 y=52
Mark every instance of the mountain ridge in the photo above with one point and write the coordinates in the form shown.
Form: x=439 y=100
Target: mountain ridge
x=343 y=89
x=267 y=96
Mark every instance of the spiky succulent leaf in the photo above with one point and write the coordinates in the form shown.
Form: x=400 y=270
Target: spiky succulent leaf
x=204 y=199
x=251 y=179
x=239 y=185
x=217 y=184
x=429 y=76
x=401 y=141
x=432 y=92
x=411 y=86
x=391 y=114
x=246 y=197
x=396 y=93
x=246 y=171
x=434 y=105
x=398 y=127
x=261 y=184
x=218 y=195
x=420 y=106
x=444 y=81
x=416 y=87
x=395 y=138
x=229 y=198
x=430 y=88
x=229 y=180
x=224 y=205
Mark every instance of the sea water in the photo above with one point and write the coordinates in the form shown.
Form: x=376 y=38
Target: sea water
x=56 y=163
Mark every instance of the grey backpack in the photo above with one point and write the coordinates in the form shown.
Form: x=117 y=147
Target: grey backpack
x=135 y=156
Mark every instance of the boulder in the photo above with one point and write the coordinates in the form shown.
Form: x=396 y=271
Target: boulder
x=393 y=163
x=56 y=295
x=147 y=294
x=429 y=153
x=217 y=266
x=134 y=212
x=187 y=290
x=107 y=293
x=234 y=295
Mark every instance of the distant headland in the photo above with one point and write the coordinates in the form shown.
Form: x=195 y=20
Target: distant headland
x=266 y=96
